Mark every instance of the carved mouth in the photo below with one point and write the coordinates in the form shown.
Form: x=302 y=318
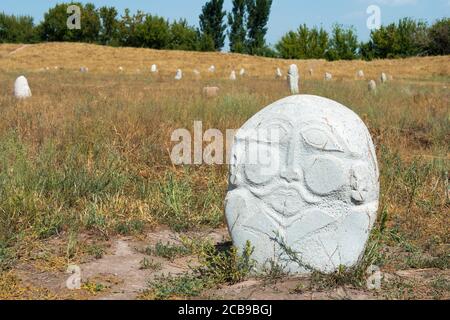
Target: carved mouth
x=285 y=201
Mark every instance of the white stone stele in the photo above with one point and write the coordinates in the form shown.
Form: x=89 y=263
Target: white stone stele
x=154 y=68
x=328 y=76
x=360 y=74
x=311 y=72
x=179 y=75
x=293 y=78
x=233 y=75
x=242 y=72
x=278 y=73
x=21 y=88
x=321 y=199
x=383 y=78
x=372 y=86
x=212 y=69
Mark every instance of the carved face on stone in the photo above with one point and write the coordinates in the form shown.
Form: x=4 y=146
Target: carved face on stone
x=304 y=174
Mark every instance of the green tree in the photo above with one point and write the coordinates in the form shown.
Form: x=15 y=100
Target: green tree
x=318 y=43
x=289 y=46
x=411 y=38
x=237 y=23
x=183 y=36
x=403 y=39
x=343 y=44
x=108 y=25
x=258 y=17
x=127 y=28
x=17 y=29
x=90 y=28
x=54 y=26
x=206 y=42
x=212 y=22
x=439 y=37
x=305 y=43
x=152 y=32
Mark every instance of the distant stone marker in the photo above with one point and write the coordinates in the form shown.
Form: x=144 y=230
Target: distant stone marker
x=278 y=73
x=303 y=176
x=383 y=78
x=242 y=72
x=360 y=74
x=233 y=75
x=372 y=86
x=311 y=72
x=120 y=69
x=154 y=68
x=179 y=75
x=328 y=76
x=293 y=78
x=211 y=92
x=21 y=88
x=212 y=69
x=84 y=69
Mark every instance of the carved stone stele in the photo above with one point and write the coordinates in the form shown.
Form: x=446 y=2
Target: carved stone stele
x=179 y=75
x=303 y=179
x=21 y=88
x=293 y=78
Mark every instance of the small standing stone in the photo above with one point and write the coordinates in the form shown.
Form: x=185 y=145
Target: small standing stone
x=242 y=72
x=360 y=74
x=311 y=72
x=21 y=88
x=293 y=78
x=212 y=69
x=233 y=75
x=278 y=73
x=179 y=75
x=120 y=69
x=383 y=78
x=328 y=76
x=372 y=86
x=84 y=69
x=154 y=68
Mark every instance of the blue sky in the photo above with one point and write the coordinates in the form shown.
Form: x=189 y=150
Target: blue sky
x=286 y=14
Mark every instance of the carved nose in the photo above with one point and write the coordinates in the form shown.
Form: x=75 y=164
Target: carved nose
x=291 y=172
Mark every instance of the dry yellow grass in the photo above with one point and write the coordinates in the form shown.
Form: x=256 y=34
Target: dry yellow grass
x=104 y=59
x=90 y=152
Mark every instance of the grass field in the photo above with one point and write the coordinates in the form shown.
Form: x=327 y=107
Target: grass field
x=85 y=162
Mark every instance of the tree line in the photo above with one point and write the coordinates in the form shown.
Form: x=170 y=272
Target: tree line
x=245 y=26
x=406 y=38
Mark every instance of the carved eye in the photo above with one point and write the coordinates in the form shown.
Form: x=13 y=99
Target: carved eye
x=321 y=139
x=262 y=163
